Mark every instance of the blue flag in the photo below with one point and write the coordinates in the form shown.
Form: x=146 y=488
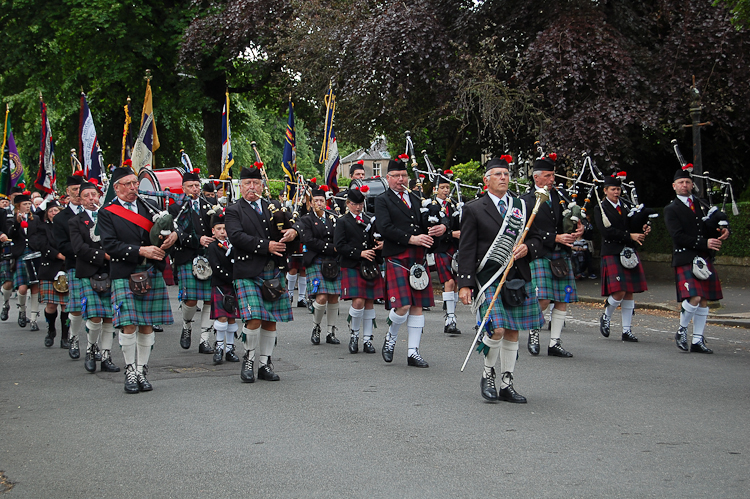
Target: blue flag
x=289 y=160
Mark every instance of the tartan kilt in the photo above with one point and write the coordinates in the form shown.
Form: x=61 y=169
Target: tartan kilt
x=21 y=275
x=217 y=303
x=74 y=292
x=47 y=294
x=295 y=262
x=323 y=285
x=549 y=287
x=527 y=316
x=96 y=304
x=443 y=267
x=6 y=269
x=709 y=289
x=616 y=278
x=252 y=305
x=398 y=291
x=353 y=285
x=192 y=288
x=153 y=308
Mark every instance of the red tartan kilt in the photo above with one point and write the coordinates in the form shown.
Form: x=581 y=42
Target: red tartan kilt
x=353 y=285
x=398 y=292
x=709 y=289
x=617 y=278
x=217 y=303
x=295 y=262
x=443 y=267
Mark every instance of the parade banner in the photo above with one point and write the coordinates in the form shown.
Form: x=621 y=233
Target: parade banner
x=11 y=172
x=46 y=178
x=227 y=160
x=289 y=160
x=147 y=141
x=127 y=136
x=88 y=143
x=329 y=154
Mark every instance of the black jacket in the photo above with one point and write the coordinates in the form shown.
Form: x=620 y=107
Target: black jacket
x=221 y=264
x=447 y=242
x=687 y=230
x=90 y=258
x=616 y=236
x=351 y=239
x=20 y=236
x=397 y=222
x=188 y=240
x=42 y=240
x=249 y=234
x=316 y=236
x=547 y=224
x=61 y=230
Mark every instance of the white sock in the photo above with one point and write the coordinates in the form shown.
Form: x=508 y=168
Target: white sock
x=356 y=322
x=318 y=311
x=127 y=345
x=231 y=329
x=491 y=358
x=332 y=315
x=449 y=297
x=265 y=348
x=6 y=294
x=250 y=340
x=206 y=322
x=508 y=352
x=627 y=314
x=687 y=313
x=292 y=280
x=557 y=321
x=33 y=305
x=612 y=305
x=414 y=325
x=107 y=337
x=699 y=324
x=75 y=324
x=368 y=319
x=144 y=344
x=22 y=301
x=221 y=333
x=95 y=329
x=301 y=286
x=396 y=321
x=187 y=315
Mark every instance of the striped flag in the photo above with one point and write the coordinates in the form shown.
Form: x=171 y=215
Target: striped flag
x=88 y=143
x=127 y=135
x=289 y=160
x=46 y=177
x=11 y=172
x=329 y=154
x=227 y=160
x=147 y=141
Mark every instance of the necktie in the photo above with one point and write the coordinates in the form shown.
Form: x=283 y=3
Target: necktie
x=196 y=206
x=619 y=210
x=258 y=208
x=224 y=245
x=359 y=219
x=503 y=209
x=403 y=198
x=129 y=206
x=691 y=205
x=94 y=215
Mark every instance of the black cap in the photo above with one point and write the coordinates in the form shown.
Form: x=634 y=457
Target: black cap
x=496 y=163
x=544 y=165
x=88 y=185
x=359 y=165
x=355 y=195
x=120 y=173
x=209 y=187
x=681 y=174
x=21 y=198
x=217 y=218
x=251 y=172
x=612 y=181
x=16 y=190
x=76 y=179
x=396 y=166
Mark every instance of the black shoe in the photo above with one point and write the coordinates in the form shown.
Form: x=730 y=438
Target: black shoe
x=302 y=303
x=107 y=365
x=604 y=325
x=416 y=360
x=185 y=338
x=34 y=326
x=315 y=337
x=388 y=350
x=131 y=379
x=90 y=364
x=247 y=375
x=628 y=335
x=218 y=354
x=22 y=318
x=205 y=347
x=73 y=349
x=425 y=309
x=266 y=373
x=380 y=301
x=509 y=394
x=367 y=347
x=157 y=328
x=558 y=351
x=487 y=385
x=681 y=339
x=64 y=343
x=97 y=353
x=231 y=355
x=700 y=347
x=533 y=343
x=143 y=384
x=354 y=344
x=331 y=337
x=451 y=328
x=49 y=340
x=4 y=313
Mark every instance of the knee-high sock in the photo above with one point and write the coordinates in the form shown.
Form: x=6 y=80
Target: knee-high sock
x=449 y=297
x=687 y=313
x=332 y=315
x=699 y=323
x=356 y=324
x=187 y=315
x=95 y=329
x=127 y=345
x=318 y=311
x=557 y=320
x=51 y=319
x=75 y=324
x=508 y=352
x=206 y=322
x=265 y=348
x=301 y=286
x=33 y=305
x=292 y=280
x=107 y=336
x=22 y=301
x=221 y=333
x=414 y=324
x=396 y=321
x=65 y=333
x=612 y=305
x=231 y=329
x=6 y=293
x=144 y=344
x=368 y=318
x=250 y=340
x=491 y=358
x=627 y=314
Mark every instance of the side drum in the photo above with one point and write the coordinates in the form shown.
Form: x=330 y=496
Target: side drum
x=159 y=181
x=376 y=185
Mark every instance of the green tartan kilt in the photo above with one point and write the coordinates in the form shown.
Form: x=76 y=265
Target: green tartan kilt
x=47 y=294
x=253 y=306
x=527 y=316
x=192 y=288
x=317 y=284
x=153 y=308
x=95 y=304
x=548 y=287
x=74 y=292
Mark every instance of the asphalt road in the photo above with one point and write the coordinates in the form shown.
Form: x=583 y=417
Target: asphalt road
x=616 y=420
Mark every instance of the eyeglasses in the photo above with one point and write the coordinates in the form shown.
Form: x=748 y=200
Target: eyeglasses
x=132 y=183
x=401 y=175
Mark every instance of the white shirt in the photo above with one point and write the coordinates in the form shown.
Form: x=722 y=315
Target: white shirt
x=685 y=199
x=496 y=200
x=406 y=197
x=134 y=203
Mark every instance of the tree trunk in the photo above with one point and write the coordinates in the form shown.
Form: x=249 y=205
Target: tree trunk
x=212 y=124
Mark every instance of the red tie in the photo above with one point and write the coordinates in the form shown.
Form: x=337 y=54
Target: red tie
x=403 y=198
x=359 y=219
x=619 y=210
x=224 y=245
x=690 y=204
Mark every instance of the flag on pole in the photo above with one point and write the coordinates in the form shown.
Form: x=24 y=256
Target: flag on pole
x=329 y=153
x=11 y=171
x=289 y=160
x=227 y=160
x=46 y=177
x=127 y=135
x=88 y=143
x=148 y=141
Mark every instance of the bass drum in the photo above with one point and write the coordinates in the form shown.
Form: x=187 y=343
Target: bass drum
x=159 y=181
x=376 y=185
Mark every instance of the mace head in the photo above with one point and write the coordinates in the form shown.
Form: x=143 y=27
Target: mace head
x=542 y=194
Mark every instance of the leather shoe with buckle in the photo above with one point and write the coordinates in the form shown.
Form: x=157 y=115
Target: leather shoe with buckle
x=487 y=385
x=628 y=335
x=557 y=350
x=143 y=383
x=680 y=338
x=354 y=344
x=185 y=337
x=107 y=365
x=509 y=394
x=205 y=347
x=131 y=379
x=388 y=350
x=604 y=325
x=315 y=336
x=34 y=326
x=73 y=350
x=218 y=354
x=49 y=340
x=247 y=375
x=367 y=347
x=416 y=360
x=22 y=319
x=266 y=373
x=533 y=342
x=231 y=355
x=700 y=347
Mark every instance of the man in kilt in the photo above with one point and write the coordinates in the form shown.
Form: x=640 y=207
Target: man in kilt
x=693 y=249
x=224 y=309
x=193 y=237
x=25 y=277
x=558 y=286
x=61 y=230
x=124 y=225
x=257 y=259
x=497 y=220
x=93 y=262
x=296 y=275
x=444 y=249
x=316 y=235
x=619 y=282
x=406 y=236
x=8 y=264
x=355 y=244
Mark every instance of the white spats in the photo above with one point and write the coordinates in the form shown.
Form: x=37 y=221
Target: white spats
x=699 y=324
x=508 y=352
x=396 y=321
x=414 y=324
x=356 y=315
x=612 y=305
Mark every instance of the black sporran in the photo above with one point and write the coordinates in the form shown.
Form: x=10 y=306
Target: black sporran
x=330 y=269
x=514 y=293
x=272 y=290
x=559 y=268
x=369 y=270
x=100 y=283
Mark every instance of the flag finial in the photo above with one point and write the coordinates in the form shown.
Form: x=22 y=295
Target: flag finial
x=148 y=75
